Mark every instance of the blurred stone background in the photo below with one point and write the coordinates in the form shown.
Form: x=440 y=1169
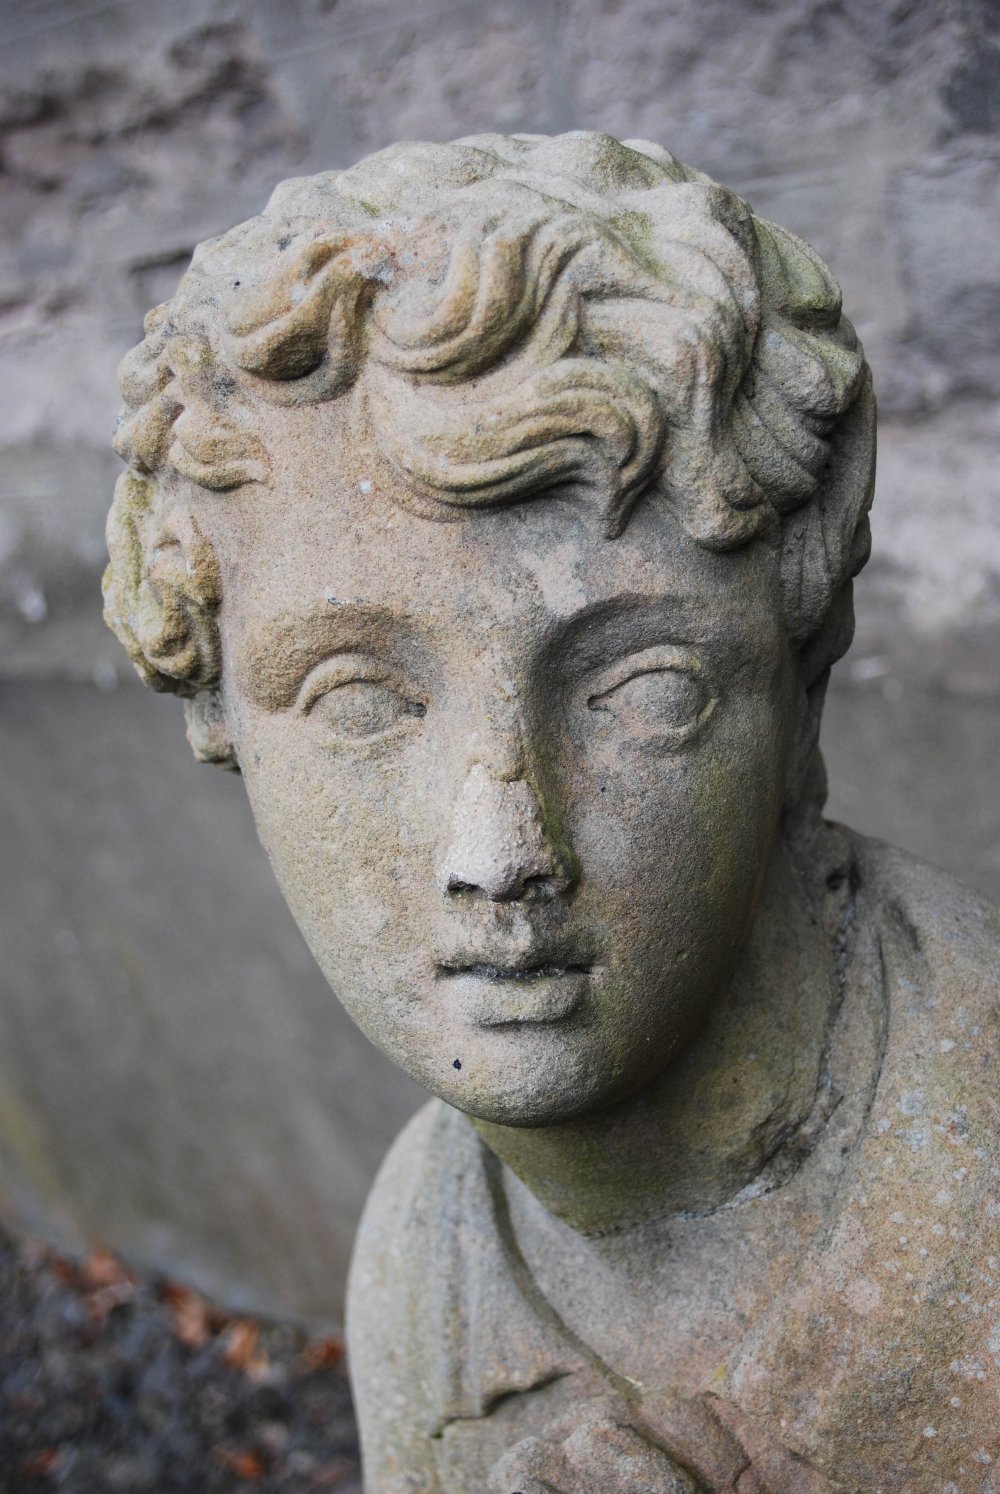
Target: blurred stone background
x=174 y=1076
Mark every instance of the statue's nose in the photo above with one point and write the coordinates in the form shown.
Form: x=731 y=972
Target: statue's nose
x=500 y=846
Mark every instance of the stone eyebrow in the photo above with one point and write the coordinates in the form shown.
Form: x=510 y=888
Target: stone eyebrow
x=271 y=665
x=633 y=614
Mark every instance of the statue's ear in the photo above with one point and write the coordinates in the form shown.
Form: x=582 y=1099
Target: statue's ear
x=162 y=588
x=208 y=730
x=162 y=594
x=814 y=659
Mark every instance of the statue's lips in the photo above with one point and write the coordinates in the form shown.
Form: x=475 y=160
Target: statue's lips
x=492 y=995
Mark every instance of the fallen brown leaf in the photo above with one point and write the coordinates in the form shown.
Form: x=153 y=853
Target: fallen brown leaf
x=241 y=1339
x=244 y=1462
x=65 y=1271
x=193 y=1318
x=322 y=1353
x=242 y=1349
x=102 y=1268
x=40 y=1463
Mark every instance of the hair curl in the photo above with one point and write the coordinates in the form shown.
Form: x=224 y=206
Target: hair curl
x=516 y=312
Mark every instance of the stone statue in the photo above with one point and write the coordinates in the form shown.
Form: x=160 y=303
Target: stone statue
x=495 y=506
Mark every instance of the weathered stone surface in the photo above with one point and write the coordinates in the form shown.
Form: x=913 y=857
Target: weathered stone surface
x=495 y=507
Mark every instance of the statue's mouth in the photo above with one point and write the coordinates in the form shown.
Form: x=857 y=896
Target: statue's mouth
x=490 y=971
x=490 y=994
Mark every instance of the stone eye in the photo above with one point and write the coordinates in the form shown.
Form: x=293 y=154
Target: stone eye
x=358 y=709
x=669 y=703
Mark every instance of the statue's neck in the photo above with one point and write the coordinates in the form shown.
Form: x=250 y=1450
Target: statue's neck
x=707 y=1127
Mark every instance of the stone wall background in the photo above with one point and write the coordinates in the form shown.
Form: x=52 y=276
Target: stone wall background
x=173 y=1076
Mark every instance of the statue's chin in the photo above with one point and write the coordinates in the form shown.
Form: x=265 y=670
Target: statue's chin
x=525 y=1113
x=524 y=1077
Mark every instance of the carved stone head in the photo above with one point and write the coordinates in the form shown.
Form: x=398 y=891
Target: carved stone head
x=494 y=506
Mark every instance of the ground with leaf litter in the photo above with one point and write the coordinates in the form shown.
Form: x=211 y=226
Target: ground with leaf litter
x=111 y=1383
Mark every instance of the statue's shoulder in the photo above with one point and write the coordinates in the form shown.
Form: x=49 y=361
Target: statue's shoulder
x=891 y=1326
x=403 y=1277
x=939 y=944
x=925 y=1190
x=955 y=929
x=432 y=1162
x=415 y=1192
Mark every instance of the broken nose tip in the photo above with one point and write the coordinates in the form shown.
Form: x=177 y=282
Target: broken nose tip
x=500 y=846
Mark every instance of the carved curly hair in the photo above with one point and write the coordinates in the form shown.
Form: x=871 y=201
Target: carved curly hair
x=515 y=312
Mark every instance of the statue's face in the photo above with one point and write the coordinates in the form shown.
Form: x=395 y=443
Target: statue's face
x=519 y=783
